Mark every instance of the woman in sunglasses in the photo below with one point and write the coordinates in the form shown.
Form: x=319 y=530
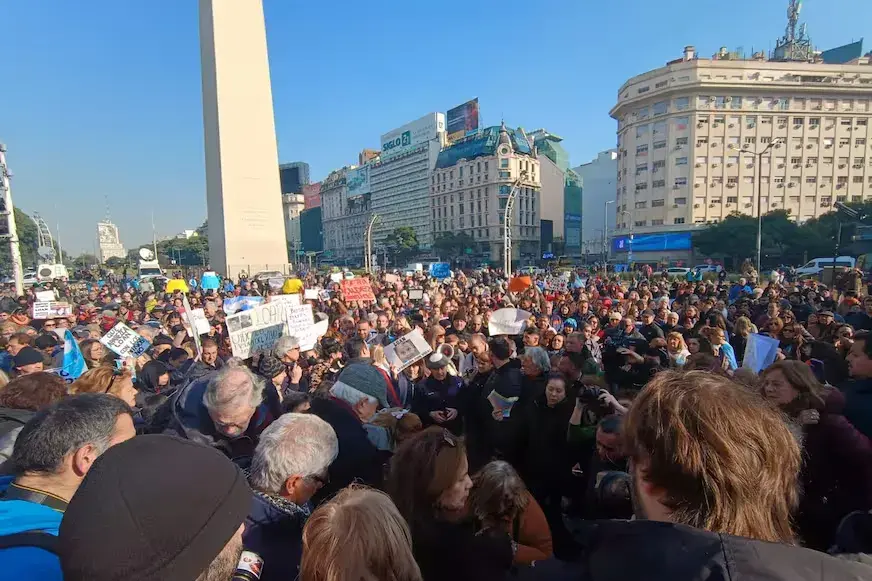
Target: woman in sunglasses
x=105 y=379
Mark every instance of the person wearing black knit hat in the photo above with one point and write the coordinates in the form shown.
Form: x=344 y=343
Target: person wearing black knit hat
x=28 y=360
x=156 y=508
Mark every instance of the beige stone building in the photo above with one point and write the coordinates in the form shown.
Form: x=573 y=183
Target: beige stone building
x=470 y=186
x=687 y=133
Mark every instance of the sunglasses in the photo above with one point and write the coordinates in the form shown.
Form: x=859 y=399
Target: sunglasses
x=115 y=374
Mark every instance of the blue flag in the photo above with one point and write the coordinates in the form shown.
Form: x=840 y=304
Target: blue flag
x=73 y=364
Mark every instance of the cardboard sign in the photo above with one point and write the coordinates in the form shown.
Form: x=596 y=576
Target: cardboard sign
x=407 y=349
x=124 y=341
x=357 y=289
x=256 y=330
x=556 y=283
x=238 y=304
x=416 y=294
x=50 y=310
x=440 y=270
x=337 y=277
x=196 y=319
x=46 y=296
x=311 y=294
x=508 y=322
x=301 y=320
x=324 y=295
x=285 y=299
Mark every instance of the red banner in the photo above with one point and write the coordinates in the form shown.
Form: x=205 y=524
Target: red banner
x=357 y=289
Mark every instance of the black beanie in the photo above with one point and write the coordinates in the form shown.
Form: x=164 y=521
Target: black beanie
x=154 y=508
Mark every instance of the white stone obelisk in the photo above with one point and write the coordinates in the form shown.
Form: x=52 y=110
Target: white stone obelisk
x=246 y=228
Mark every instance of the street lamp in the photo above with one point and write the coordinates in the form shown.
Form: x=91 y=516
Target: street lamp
x=507 y=233
x=606 y=232
x=367 y=251
x=759 y=163
x=630 y=242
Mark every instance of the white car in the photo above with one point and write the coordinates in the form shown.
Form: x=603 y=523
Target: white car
x=677 y=271
x=708 y=268
x=29 y=277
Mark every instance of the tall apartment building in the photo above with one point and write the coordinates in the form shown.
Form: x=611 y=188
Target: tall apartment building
x=560 y=196
x=292 y=206
x=598 y=178
x=688 y=133
x=293 y=176
x=470 y=186
x=344 y=218
x=399 y=178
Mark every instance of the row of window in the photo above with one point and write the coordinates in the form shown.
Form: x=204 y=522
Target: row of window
x=484 y=233
x=740 y=102
x=859 y=162
x=660 y=128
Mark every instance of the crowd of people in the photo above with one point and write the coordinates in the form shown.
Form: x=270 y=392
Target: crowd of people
x=633 y=427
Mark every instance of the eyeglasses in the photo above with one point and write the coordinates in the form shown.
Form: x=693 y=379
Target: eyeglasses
x=115 y=374
x=320 y=479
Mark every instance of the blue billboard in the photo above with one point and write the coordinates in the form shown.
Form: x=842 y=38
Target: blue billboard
x=653 y=242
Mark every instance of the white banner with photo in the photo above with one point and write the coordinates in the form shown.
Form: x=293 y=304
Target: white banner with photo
x=256 y=330
x=407 y=349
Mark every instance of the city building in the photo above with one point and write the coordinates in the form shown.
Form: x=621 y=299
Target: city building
x=344 y=216
x=695 y=135
x=109 y=241
x=560 y=196
x=399 y=178
x=292 y=205
x=293 y=176
x=598 y=180
x=312 y=195
x=471 y=184
x=311 y=233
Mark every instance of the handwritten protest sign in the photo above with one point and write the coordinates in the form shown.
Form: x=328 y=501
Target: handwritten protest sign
x=508 y=322
x=311 y=294
x=197 y=322
x=124 y=341
x=46 y=296
x=407 y=349
x=501 y=404
x=285 y=299
x=440 y=270
x=300 y=322
x=50 y=310
x=256 y=330
x=557 y=283
x=336 y=276
x=357 y=289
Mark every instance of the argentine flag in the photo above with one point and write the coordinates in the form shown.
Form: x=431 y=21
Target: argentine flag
x=73 y=364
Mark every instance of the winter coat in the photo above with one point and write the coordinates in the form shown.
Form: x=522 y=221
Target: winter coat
x=546 y=457
x=358 y=459
x=18 y=516
x=858 y=404
x=658 y=551
x=274 y=530
x=433 y=396
x=448 y=551
x=190 y=420
x=11 y=422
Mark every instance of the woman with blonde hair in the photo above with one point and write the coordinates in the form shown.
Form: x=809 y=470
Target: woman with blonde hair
x=739 y=338
x=676 y=348
x=358 y=535
x=105 y=379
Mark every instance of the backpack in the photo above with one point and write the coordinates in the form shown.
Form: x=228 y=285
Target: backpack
x=39 y=539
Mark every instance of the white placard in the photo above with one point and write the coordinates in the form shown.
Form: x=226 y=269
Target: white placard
x=301 y=324
x=416 y=294
x=195 y=324
x=336 y=276
x=285 y=299
x=310 y=294
x=760 y=352
x=124 y=341
x=198 y=321
x=508 y=322
x=407 y=349
x=50 y=310
x=256 y=330
x=45 y=296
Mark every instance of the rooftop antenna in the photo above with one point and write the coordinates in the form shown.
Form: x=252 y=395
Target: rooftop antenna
x=108 y=215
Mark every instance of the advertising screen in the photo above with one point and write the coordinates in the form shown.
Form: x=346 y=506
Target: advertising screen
x=357 y=181
x=462 y=119
x=653 y=242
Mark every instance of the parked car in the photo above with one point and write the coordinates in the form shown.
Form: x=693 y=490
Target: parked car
x=816 y=266
x=704 y=268
x=267 y=274
x=677 y=271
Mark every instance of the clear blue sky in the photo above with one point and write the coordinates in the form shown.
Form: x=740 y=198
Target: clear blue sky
x=102 y=97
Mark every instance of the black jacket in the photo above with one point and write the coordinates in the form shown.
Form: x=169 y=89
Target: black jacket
x=453 y=552
x=358 y=459
x=274 y=530
x=546 y=462
x=655 y=551
x=435 y=396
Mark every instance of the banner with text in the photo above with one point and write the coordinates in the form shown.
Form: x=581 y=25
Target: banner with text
x=256 y=330
x=357 y=289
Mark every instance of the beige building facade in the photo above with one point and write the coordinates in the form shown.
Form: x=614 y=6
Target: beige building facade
x=688 y=133
x=246 y=230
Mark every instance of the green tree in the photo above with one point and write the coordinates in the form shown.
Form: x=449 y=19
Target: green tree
x=402 y=243
x=28 y=241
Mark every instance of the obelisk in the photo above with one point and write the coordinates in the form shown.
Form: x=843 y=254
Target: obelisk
x=246 y=227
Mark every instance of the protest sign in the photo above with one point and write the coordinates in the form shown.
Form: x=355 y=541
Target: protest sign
x=285 y=299
x=46 y=296
x=50 y=310
x=124 y=341
x=519 y=284
x=324 y=295
x=337 y=276
x=556 y=283
x=197 y=321
x=311 y=294
x=256 y=330
x=416 y=294
x=301 y=324
x=440 y=270
x=760 y=352
x=407 y=349
x=508 y=322
x=238 y=304
x=357 y=289
x=392 y=278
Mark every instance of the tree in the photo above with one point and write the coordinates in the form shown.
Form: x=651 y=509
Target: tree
x=28 y=241
x=402 y=243
x=453 y=245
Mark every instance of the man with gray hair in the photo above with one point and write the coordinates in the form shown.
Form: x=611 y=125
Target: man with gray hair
x=226 y=410
x=289 y=466
x=287 y=350
x=52 y=455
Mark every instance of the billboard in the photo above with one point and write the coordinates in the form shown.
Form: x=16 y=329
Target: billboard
x=572 y=232
x=653 y=242
x=462 y=119
x=312 y=195
x=412 y=134
x=357 y=181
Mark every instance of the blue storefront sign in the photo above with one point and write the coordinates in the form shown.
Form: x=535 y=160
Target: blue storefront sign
x=652 y=242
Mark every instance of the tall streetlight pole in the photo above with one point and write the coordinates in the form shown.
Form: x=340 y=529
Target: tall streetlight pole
x=759 y=163
x=606 y=232
x=507 y=224
x=367 y=251
x=630 y=241
x=11 y=234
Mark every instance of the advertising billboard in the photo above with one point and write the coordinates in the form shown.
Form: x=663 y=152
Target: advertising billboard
x=312 y=195
x=653 y=242
x=412 y=134
x=572 y=232
x=462 y=119
x=357 y=181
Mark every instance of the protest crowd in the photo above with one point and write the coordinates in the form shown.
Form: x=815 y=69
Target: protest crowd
x=572 y=424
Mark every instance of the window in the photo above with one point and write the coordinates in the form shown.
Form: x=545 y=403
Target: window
x=656 y=222
x=860 y=142
x=751 y=121
x=732 y=199
x=640 y=223
x=657 y=203
x=750 y=140
x=680 y=181
x=641 y=205
x=732 y=180
x=720 y=102
x=657 y=165
x=644 y=89
x=702 y=141
x=811 y=180
x=681 y=123
x=736 y=103
x=682 y=103
x=701 y=159
x=811 y=160
x=658 y=184
x=796 y=160
x=844 y=141
x=765 y=140
x=845 y=121
x=504 y=163
x=680 y=141
x=862 y=122
x=642 y=113
x=642 y=186
x=641 y=150
x=641 y=131
x=814 y=122
x=641 y=168
x=858 y=179
x=678 y=220
x=703 y=102
x=505 y=175
x=798 y=121
x=766 y=120
x=659 y=144
x=660 y=108
x=782 y=121
x=680 y=161
x=719 y=119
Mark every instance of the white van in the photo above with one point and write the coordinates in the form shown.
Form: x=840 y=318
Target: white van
x=50 y=272
x=816 y=265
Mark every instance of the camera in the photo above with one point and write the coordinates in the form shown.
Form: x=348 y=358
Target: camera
x=589 y=394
